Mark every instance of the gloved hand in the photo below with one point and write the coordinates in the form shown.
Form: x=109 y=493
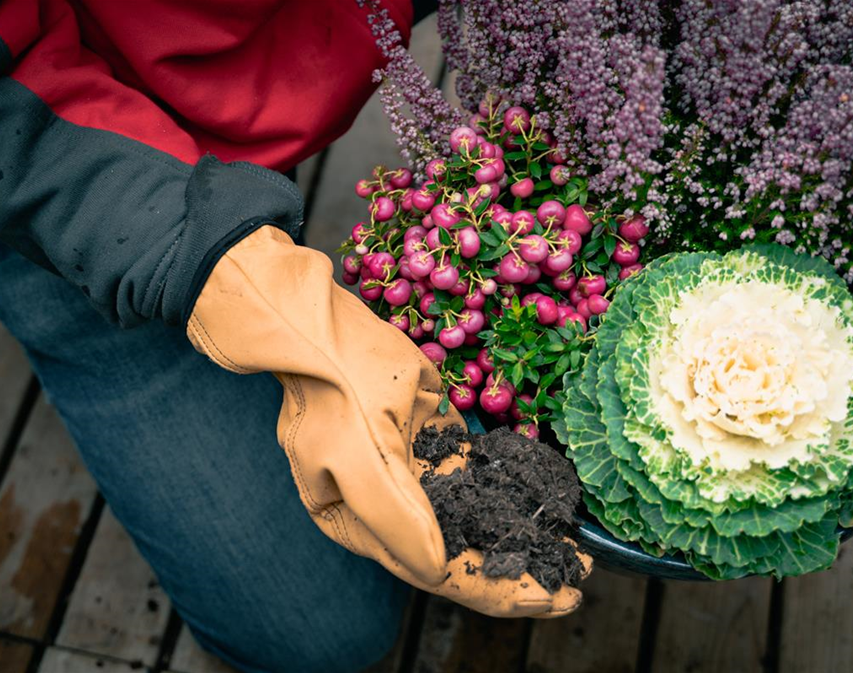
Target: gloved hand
x=356 y=393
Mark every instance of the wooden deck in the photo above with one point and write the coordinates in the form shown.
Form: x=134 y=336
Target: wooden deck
x=76 y=597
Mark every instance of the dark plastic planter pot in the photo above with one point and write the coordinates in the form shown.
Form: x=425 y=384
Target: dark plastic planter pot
x=628 y=557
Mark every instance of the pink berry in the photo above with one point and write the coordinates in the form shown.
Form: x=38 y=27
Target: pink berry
x=597 y=304
x=434 y=352
x=546 y=310
x=421 y=264
x=570 y=240
x=419 y=288
x=361 y=249
x=360 y=232
x=560 y=175
x=563 y=314
x=495 y=399
x=350 y=278
x=533 y=275
x=462 y=396
x=452 y=337
x=381 y=265
x=473 y=373
x=423 y=199
x=406 y=201
x=469 y=242
x=415 y=233
x=533 y=248
x=426 y=301
x=531 y=298
x=370 y=290
x=472 y=340
x=398 y=293
x=352 y=264
x=551 y=214
x=364 y=189
x=476 y=299
x=444 y=276
x=577 y=220
x=589 y=285
x=565 y=281
x=444 y=216
x=401 y=322
x=485 y=361
x=471 y=320
x=383 y=209
x=426 y=222
x=489 y=287
x=416 y=332
x=634 y=229
x=517 y=119
x=522 y=223
x=463 y=139
x=522 y=189
x=460 y=289
x=513 y=268
x=413 y=246
x=559 y=261
x=583 y=308
x=629 y=271
x=404 y=270
x=529 y=430
x=575 y=295
x=401 y=178
x=428 y=325
x=435 y=168
x=433 y=239
x=475 y=121
x=626 y=254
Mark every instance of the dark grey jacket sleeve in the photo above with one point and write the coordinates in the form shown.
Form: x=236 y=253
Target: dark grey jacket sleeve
x=134 y=228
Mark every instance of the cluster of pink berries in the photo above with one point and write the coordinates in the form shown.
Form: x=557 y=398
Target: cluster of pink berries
x=442 y=261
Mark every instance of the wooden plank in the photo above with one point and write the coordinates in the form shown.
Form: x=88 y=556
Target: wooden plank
x=456 y=640
x=44 y=501
x=393 y=661
x=369 y=142
x=57 y=660
x=14 y=656
x=117 y=608
x=706 y=626
x=603 y=636
x=817 y=622
x=188 y=657
x=15 y=376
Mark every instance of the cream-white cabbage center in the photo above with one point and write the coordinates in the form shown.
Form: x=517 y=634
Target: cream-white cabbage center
x=752 y=373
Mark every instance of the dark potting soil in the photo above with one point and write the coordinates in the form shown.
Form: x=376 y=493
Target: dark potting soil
x=514 y=501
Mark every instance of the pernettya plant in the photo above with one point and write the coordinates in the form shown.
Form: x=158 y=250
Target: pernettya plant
x=497 y=264
x=714 y=414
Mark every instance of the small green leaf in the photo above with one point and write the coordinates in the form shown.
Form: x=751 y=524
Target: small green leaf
x=562 y=365
x=517 y=374
x=536 y=170
x=539 y=146
x=457 y=304
x=455 y=259
x=512 y=156
x=597 y=230
x=575 y=359
x=543 y=185
x=505 y=355
x=444 y=405
x=609 y=246
x=435 y=309
x=500 y=233
x=444 y=236
x=488 y=238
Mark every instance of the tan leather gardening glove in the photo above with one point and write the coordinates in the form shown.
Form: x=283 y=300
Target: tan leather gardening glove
x=356 y=393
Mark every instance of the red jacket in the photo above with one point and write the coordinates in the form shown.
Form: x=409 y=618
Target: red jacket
x=263 y=81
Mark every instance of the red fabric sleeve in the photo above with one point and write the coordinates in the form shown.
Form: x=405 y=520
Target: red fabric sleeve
x=266 y=81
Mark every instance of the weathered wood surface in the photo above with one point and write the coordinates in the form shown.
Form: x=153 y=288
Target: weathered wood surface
x=44 y=500
x=817 y=626
x=190 y=658
x=117 y=608
x=603 y=636
x=14 y=656
x=713 y=627
x=456 y=640
x=14 y=378
x=57 y=660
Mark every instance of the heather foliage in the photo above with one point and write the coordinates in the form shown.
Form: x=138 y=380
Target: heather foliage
x=720 y=121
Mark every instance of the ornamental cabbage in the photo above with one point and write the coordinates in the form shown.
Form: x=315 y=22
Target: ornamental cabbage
x=714 y=413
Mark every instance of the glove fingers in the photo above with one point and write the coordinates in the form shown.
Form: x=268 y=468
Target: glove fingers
x=388 y=500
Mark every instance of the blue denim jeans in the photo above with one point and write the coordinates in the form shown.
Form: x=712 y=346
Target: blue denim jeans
x=186 y=455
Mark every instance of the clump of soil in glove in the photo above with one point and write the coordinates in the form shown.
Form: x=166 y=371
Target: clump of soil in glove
x=514 y=501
